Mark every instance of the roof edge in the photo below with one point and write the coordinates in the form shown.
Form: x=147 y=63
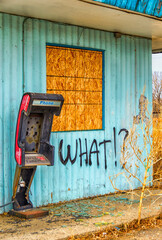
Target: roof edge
x=120 y=9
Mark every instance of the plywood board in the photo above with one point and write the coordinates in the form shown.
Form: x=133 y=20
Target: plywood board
x=70 y=69
x=93 y=64
x=70 y=83
x=63 y=93
x=56 y=83
x=55 y=61
x=93 y=117
x=89 y=119
x=70 y=97
x=80 y=115
x=79 y=82
x=93 y=98
x=80 y=63
x=59 y=122
x=80 y=97
x=77 y=75
x=70 y=117
x=98 y=66
x=97 y=113
x=93 y=84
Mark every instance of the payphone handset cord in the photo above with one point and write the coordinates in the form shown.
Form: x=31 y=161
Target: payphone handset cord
x=4 y=205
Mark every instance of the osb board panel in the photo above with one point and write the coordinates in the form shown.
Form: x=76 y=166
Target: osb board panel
x=80 y=63
x=80 y=117
x=55 y=61
x=70 y=117
x=70 y=63
x=93 y=118
x=56 y=83
x=59 y=122
x=80 y=97
x=73 y=62
x=77 y=75
x=70 y=83
x=93 y=64
x=93 y=98
x=63 y=93
x=80 y=84
x=93 y=84
x=97 y=113
x=70 y=97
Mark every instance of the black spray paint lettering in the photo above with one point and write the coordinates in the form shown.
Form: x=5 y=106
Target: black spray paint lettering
x=93 y=150
x=68 y=153
x=104 y=142
x=94 y=143
x=126 y=135
x=126 y=132
x=114 y=131
x=83 y=153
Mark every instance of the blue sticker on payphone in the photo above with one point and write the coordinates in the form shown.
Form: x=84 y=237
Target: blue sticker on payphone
x=46 y=103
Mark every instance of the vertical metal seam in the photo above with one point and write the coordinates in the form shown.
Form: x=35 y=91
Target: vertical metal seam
x=23 y=53
x=2 y=175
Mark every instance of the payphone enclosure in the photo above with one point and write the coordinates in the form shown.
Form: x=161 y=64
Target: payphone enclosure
x=32 y=142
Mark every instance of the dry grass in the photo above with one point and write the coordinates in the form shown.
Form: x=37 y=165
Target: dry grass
x=157 y=146
x=141 y=154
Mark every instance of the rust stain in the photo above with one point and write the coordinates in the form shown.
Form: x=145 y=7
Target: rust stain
x=52 y=195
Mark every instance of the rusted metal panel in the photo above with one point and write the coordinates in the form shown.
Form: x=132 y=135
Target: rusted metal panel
x=127 y=71
x=150 y=7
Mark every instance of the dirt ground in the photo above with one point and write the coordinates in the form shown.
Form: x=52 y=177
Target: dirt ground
x=149 y=228
x=80 y=217
x=146 y=234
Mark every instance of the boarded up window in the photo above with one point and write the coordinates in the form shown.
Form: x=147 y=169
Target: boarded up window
x=77 y=75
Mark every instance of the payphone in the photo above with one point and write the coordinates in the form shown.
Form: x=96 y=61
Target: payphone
x=32 y=146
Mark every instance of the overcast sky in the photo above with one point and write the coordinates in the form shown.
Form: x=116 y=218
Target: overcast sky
x=157 y=62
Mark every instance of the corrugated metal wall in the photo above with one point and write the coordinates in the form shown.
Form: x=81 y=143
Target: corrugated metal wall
x=127 y=71
x=150 y=7
x=10 y=95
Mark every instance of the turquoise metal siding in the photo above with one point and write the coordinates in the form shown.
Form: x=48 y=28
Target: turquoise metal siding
x=127 y=71
x=150 y=7
x=10 y=95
